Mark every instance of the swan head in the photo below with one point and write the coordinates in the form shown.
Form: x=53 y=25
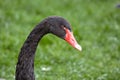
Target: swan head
x=61 y=28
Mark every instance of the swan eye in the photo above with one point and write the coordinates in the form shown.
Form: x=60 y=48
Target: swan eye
x=65 y=28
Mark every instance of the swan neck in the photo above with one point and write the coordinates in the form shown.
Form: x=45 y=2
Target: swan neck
x=25 y=65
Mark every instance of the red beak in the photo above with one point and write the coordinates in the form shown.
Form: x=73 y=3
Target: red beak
x=71 y=40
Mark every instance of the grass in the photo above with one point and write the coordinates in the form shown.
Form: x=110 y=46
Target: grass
x=96 y=26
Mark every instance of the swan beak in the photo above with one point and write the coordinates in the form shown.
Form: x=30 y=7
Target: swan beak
x=71 y=39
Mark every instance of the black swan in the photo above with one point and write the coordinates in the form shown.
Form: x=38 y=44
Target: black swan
x=55 y=25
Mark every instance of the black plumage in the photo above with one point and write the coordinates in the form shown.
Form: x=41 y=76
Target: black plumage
x=25 y=64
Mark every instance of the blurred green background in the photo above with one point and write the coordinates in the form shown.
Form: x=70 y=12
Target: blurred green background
x=96 y=26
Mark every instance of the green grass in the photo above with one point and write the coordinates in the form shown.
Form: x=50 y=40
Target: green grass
x=96 y=26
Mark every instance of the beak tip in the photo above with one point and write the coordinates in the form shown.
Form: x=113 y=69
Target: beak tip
x=78 y=47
